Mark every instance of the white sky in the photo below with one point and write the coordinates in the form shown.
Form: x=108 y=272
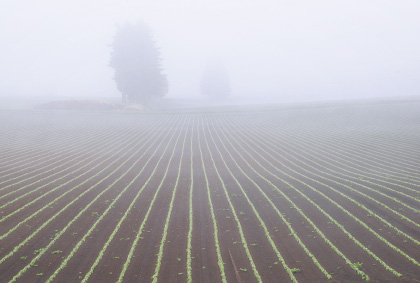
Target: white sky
x=291 y=50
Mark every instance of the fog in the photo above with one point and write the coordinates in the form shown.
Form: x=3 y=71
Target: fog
x=280 y=50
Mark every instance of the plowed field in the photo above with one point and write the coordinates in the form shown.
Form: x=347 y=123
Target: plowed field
x=291 y=195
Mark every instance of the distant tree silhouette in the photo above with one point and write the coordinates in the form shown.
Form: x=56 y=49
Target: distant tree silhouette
x=215 y=81
x=136 y=61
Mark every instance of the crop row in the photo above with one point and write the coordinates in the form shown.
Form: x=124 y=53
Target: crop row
x=281 y=200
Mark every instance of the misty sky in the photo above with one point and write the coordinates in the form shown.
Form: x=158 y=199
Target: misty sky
x=291 y=50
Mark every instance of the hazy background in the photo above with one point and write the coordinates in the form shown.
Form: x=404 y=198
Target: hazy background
x=284 y=50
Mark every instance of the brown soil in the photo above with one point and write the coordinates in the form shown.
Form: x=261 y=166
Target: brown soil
x=231 y=162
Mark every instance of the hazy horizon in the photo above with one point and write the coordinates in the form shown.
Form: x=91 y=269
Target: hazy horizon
x=279 y=50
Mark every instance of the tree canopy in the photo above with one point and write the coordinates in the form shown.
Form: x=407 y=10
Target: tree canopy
x=136 y=61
